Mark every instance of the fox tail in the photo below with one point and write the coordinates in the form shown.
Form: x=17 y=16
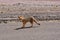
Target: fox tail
x=35 y=20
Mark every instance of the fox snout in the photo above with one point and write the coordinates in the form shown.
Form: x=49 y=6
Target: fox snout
x=38 y=23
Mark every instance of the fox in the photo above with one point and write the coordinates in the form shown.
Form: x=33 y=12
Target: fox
x=30 y=19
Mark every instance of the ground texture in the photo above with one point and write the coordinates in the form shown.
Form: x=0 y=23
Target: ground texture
x=48 y=30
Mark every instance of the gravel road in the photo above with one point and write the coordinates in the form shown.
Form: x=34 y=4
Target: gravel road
x=48 y=30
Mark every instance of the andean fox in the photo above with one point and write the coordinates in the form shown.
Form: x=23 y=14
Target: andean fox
x=30 y=19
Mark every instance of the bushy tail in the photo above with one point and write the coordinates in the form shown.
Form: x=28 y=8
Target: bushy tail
x=35 y=20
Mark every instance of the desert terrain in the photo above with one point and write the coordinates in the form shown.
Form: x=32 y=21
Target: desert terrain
x=48 y=30
x=47 y=14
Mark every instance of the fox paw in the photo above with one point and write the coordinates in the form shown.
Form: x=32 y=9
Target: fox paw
x=38 y=23
x=22 y=27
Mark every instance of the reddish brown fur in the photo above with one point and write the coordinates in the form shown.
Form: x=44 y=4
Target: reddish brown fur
x=25 y=20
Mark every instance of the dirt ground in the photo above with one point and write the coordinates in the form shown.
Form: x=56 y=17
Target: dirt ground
x=48 y=30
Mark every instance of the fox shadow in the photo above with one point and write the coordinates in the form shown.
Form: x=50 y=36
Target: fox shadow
x=25 y=27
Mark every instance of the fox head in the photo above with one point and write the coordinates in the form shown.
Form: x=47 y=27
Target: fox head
x=20 y=17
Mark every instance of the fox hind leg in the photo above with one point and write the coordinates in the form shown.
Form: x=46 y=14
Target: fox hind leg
x=31 y=23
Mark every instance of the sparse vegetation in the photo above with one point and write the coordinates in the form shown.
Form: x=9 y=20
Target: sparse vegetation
x=41 y=12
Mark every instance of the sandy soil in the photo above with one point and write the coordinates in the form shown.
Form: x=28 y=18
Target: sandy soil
x=48 y=30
